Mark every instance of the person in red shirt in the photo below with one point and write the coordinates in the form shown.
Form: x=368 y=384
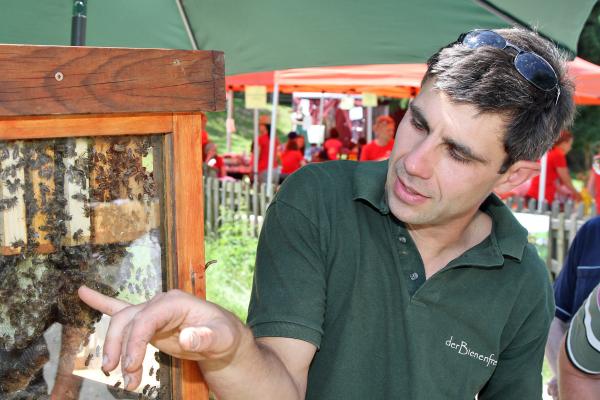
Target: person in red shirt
x=593 y=185
x=291 y=159
x=333 y=144
x=557 y=172
x=381 y=147
x=264 y=139
x=214 y=161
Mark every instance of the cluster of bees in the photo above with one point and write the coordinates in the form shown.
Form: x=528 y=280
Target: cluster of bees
x=39 y=286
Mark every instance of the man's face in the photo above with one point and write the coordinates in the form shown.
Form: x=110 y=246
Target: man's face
x=445 y=161
x=384 y=131
x=262 y=129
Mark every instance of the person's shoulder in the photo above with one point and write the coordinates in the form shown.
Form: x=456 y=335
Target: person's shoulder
x=591 y=226
x=318 y=178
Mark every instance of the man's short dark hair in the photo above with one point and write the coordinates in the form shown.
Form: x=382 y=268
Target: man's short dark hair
x=486 y=78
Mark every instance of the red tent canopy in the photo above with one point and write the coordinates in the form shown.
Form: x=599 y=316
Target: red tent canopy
x=391 y=80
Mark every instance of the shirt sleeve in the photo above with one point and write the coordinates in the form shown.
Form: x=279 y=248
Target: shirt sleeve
x=518 y=373
x=289 y=289
x=583 y=337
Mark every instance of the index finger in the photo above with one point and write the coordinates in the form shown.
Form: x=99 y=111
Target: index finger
x=104 y=304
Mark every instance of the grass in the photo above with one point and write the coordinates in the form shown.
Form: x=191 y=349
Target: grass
x=229 y=281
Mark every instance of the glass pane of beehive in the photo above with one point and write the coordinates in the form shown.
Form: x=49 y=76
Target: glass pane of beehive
x=75 y=211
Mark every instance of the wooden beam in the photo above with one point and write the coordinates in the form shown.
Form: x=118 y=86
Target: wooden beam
x=42 y=80
x=88 y=125
x=189 y=232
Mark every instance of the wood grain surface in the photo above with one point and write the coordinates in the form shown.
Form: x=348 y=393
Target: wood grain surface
x=42 y=80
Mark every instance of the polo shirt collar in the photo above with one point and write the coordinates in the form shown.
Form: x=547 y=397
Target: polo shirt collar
x=508 y=237
x=369 y=184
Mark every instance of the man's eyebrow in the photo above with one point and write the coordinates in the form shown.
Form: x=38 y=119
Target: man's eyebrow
x=465 y=151
x=417 y=114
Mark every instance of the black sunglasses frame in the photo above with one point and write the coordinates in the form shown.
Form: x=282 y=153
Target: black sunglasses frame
x=503 y=44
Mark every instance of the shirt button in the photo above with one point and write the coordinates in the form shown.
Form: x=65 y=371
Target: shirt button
x=414 y=276
x=402 y=239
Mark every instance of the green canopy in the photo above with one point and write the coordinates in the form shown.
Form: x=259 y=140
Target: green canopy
x=261 y=35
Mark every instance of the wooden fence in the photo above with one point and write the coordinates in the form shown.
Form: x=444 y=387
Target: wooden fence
x=241 y=201
x=563 y=224
x=234 y=200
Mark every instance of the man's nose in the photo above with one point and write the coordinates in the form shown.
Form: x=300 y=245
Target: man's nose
x=420 y=161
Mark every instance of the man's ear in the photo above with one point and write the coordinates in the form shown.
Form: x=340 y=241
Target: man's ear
x=518 y=173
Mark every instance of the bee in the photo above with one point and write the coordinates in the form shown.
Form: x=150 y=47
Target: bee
x=146 y=388
x=4 y=153
x=44 y=191
x=105 y=372
x=79 y=197
x=119 y=148
x=116 y=385
x=77 y=235
x=9 y=203
x=88 y=359
x=46 y=172
x=14 y=185
x=151 y=371
x=17 y=243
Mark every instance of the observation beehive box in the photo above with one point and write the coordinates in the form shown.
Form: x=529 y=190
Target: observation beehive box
x=100 y=183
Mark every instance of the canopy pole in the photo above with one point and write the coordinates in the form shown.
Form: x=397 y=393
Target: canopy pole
x=369 y=124
x=255 y=166
x=272 y=138
x=321 y=108
x=186 y=25
x=228 y=124
x=78 y=23
x=542 y=187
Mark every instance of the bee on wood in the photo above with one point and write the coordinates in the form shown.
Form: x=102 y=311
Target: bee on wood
x=44 y=191
x=46 y=172
x=146 y=388
x=79 y=197
x=116 y=385
x=88 y=359
x=77 y=235
x=151 y=371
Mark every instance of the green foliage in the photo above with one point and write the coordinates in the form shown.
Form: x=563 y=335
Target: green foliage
x=244 y=123
x=585 y=128
x=229 y=281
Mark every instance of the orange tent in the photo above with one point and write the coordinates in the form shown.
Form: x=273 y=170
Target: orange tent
x=391 y=80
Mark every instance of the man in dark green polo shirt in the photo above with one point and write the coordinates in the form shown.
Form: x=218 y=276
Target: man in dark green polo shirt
x=401 y=279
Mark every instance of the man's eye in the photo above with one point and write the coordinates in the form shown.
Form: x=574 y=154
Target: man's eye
x=416 y=124
x=457 y=157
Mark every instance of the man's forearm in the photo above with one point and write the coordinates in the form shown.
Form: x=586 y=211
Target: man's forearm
x=558 y=329
x=574 y=384
x=254 y=372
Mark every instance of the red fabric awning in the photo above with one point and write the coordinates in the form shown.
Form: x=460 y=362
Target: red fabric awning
x=391 y=80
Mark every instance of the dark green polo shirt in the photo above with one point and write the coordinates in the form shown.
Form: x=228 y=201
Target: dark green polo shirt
x=335 y=268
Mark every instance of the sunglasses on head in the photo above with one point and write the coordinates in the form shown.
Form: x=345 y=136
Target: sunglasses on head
x=533 y=67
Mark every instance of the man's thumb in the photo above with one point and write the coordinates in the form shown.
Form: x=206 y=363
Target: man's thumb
x=196 y=338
